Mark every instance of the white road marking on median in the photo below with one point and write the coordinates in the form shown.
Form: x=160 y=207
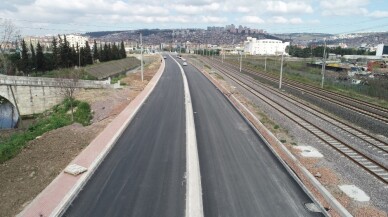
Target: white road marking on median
x=194 y=206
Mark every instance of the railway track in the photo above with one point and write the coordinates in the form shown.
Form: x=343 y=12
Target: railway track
x=378 y=144
x=364 y=108
x=363 y=160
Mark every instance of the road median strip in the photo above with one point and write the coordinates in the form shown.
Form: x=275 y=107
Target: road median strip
x=194 y=204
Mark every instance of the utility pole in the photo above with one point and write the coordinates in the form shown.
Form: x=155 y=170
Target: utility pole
x=141 y=56
x=79 y=57
x=281 y=72
x=323 y=64
x=240 y=61
x=222 y=55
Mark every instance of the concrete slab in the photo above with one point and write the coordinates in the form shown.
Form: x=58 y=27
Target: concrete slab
x=75 y=169
x=355 y=193
x=308 y=151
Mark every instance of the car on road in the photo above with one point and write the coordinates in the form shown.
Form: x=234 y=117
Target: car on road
x=164 y=57
x=184 y=63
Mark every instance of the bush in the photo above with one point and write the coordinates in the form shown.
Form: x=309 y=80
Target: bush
x=83 y=114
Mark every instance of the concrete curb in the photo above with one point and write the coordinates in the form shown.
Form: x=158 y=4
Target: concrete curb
x=58 y=195
x=271 y=141
x=194 y=203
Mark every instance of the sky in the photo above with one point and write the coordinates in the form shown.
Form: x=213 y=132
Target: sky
x=41 y=17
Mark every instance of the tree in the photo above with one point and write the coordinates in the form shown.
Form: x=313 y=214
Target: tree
x=106 y=53
x=123 y=54
x=32 y=65
x=69 y=84
x=55 y=57
x=115 y=52
x=82 y=56
x=95 y=52
x=88 y=54
x=23 y=66
x=109 y=53
x=8 y=33
x=65 y=53
x=74 y=56
x=39 y=58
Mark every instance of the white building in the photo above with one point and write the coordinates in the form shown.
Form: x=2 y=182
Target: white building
x=382 y=50
x=264 y=46
x=76 y=39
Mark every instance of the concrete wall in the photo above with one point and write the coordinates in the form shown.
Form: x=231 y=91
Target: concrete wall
x=35 y=95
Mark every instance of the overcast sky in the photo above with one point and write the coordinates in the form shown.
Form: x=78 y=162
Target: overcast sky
x=39 y=17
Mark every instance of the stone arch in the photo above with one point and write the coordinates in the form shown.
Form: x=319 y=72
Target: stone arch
x=9 y=117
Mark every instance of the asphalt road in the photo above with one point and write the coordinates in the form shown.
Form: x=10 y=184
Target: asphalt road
x=143 y=175
x=239 y=175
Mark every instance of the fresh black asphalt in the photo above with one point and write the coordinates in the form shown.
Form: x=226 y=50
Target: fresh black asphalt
x=143 y=175
x=240 y=176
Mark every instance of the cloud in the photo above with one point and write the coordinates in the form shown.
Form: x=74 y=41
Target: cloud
x=283 y=20
x=378 y=14
x=344 y=7
x=194 y=9
x=289 y=7
x=213 y=19
x=242 y=9
x=251 y=20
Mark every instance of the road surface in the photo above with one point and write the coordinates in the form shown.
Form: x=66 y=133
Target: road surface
x=143 y=175
x=240 y=175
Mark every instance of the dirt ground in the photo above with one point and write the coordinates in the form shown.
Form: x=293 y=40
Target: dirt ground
x=25 y=176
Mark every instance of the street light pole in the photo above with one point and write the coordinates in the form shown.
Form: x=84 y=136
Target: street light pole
x=281 y=72
x=141 y=57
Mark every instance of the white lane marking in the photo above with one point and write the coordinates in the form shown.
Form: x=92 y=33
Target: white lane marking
x=194 y=206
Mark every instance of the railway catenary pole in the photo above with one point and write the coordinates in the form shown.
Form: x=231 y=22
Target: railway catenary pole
x=265 y=64
x=281 y=71
x=323 y=65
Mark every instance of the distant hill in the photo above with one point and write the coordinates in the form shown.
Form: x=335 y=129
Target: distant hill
x=159 y=36
x=101 y=33
x=353 y=40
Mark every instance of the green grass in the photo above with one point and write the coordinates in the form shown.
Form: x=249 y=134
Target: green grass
x=218 y=76
x=55 y=118
x=65 y=73
x=115 y=79
x=376 y=92
x=112 y=68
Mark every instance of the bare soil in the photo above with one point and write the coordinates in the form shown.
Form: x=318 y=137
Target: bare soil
x=26 y=175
